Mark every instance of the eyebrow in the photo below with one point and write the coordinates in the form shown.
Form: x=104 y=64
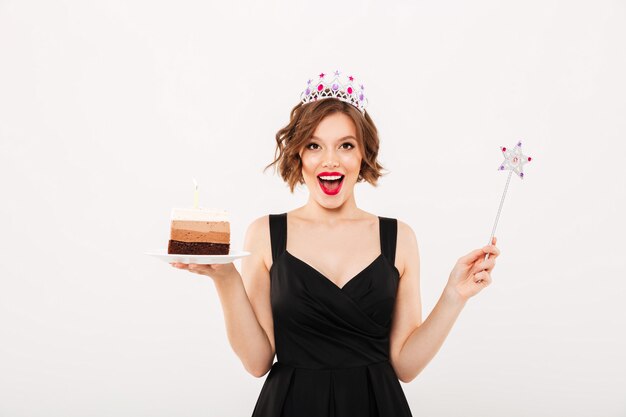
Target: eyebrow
x=338 y=140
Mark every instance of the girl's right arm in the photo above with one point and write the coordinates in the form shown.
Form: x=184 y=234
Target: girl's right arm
x=245 y=300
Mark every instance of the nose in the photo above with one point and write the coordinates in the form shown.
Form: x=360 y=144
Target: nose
x=330 y=158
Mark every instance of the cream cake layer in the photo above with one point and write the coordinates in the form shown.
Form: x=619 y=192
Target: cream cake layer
x=200 y=214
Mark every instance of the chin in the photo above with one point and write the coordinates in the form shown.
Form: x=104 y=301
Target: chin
x=331 y=205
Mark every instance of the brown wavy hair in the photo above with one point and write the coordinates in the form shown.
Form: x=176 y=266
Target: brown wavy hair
x=302 y=124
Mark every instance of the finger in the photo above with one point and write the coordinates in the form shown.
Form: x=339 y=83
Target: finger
x=471 y=257
x=489 y=264
x=496 y=250
x=474 y=255
x=492 y=250
x=493 y=244
x=483 y=266
x=200 y=268
x=483 y=277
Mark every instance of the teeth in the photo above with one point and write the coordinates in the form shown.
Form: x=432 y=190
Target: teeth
x=331 y=177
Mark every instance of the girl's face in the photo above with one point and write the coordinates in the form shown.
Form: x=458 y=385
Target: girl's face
x=331 y=160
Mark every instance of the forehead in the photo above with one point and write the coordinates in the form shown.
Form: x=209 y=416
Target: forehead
x=336 y=126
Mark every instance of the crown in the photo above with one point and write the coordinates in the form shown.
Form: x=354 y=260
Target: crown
x=338 y=87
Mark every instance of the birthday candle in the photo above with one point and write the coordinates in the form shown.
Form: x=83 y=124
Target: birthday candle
x=195 y=194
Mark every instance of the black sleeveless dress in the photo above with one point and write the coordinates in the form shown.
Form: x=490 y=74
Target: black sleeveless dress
x=332 y=343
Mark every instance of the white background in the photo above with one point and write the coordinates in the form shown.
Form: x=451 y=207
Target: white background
x=108 y=109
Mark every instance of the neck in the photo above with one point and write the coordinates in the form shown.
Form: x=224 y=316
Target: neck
x=314 y=211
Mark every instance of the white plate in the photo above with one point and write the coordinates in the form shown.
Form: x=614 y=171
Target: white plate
x=198 y=259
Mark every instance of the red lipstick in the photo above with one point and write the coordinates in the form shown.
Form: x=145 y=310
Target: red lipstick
x=331 y=187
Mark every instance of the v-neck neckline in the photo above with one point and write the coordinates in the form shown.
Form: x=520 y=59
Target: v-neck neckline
x=325 y=278
x=360 y=273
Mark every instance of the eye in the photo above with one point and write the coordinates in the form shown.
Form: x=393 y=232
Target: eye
x=351 y=146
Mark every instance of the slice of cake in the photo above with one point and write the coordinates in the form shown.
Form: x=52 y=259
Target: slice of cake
x=199 y=231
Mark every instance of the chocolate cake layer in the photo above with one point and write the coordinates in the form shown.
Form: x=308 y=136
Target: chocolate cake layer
x=197 y=248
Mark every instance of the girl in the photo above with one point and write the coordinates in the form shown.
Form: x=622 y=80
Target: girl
x=331 y=290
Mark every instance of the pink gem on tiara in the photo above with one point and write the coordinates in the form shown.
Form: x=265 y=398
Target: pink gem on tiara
x=338 y=87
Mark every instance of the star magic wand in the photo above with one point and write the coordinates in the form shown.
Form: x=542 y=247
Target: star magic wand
x=514 y=161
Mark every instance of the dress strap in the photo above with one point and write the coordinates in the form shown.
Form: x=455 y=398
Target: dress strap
x=278 y=234
x=388 y=237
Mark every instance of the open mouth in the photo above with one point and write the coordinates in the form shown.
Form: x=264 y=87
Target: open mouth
x=331 y=184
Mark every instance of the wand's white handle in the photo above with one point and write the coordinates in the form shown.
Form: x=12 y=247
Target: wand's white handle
x=493 y=232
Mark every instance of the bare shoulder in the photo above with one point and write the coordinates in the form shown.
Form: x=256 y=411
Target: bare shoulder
x=406 y=246
x=405 y=233
x=258 y=224
x=257 y=239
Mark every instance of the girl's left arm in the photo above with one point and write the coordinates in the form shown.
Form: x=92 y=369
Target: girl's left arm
x=413 y=344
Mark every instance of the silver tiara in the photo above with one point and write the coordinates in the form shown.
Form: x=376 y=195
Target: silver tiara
x=341 y=88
